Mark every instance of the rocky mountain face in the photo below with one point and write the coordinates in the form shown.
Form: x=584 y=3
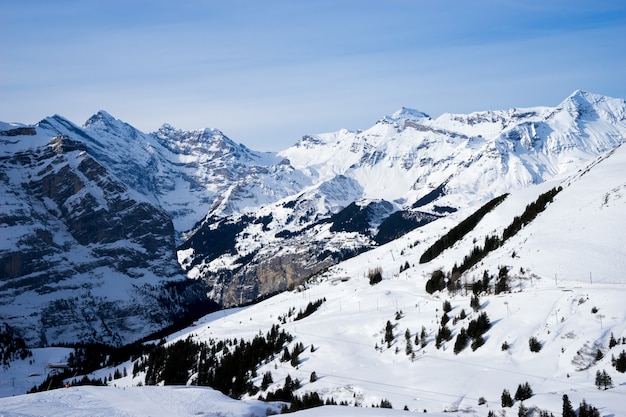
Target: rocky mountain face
x=83 y=258
x=92 y=215
x=103 y=225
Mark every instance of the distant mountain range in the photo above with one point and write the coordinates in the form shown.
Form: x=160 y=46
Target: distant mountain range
x=110 y=233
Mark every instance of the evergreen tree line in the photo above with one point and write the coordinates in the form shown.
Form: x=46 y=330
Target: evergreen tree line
x=54 y=381
x=477 y=253
x=585 y=410
x=439 y=280
x=524 y=392
x=286 y=394
x=459 y=231
x=620 y=362
x=530 y=213
x=88 y=357
x=310 y=309
x=226 y=366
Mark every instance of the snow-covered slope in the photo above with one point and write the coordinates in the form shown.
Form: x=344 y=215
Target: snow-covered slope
x=408 y=161
x=573 y=317
x=565 y=271
x=552 y=298
x=132 y=402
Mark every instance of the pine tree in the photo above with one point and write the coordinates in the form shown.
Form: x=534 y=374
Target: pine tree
x=568 y=410
x=423 y=341
x=475 y=303
x=436 y=282
x=599 y=355
x=461 y=341
x=523 y=392
x=603 y=380
x=297 y=350
x=288 y=386
x=502 y=284
x=409 y=347
x=444 y=334
x=388 y=333
x=485 y=281
x=477 y=342
x=505 y=399
x=286 y=355
x=534 y=344
x=267 y=380
x=522 y=411
x=620 y=362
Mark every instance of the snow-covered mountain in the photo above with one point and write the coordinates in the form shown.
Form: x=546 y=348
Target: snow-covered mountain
x=86 y=207
x=91 y=217
x=191 y=173
x=371 y=186
x=366 y=344
x=405 y=156
x=83 y=256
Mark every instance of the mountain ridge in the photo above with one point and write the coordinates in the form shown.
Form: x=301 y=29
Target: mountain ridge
x=280 y=218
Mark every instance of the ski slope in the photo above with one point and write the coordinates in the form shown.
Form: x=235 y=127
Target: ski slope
x=567 y=274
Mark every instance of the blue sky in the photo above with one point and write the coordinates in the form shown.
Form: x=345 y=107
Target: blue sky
x=268 y=72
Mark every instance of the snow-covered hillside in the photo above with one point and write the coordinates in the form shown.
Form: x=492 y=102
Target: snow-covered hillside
x=408 y=162
x=566 y=275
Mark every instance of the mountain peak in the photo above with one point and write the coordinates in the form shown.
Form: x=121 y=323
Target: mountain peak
x=586 y=105
x=582 y=99
x=405 y=114
x=205 y=135
x=101 y=117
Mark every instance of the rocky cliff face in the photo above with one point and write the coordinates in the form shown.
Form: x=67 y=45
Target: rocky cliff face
x=83 y=258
